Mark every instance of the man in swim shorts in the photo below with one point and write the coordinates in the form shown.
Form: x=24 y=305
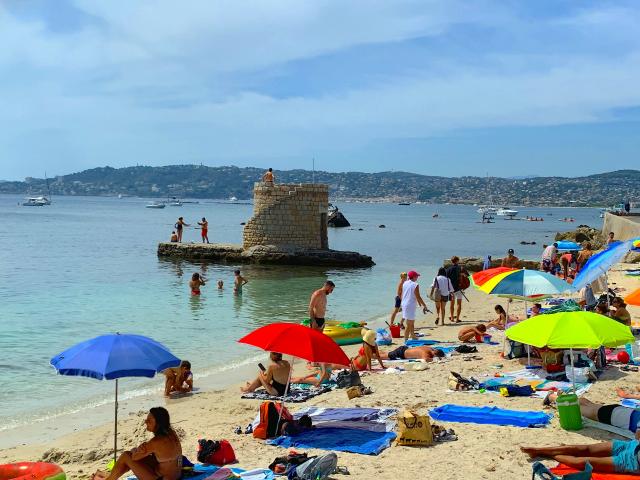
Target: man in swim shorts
x=238 y=282
x=318 y=305
x=398 y=300
x=204 y=230
x=404 y=352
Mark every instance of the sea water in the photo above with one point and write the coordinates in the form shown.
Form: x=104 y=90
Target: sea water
x=87 y=266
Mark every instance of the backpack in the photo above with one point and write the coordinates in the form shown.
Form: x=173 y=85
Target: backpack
x=215 y=453
x=463 y=280
x=269 y=414
x=317 y=468
x=516 y=350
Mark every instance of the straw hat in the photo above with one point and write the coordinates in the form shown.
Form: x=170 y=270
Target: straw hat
x=368 y=336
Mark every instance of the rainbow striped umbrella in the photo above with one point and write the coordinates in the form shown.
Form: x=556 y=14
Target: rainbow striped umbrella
x=524 y=283
x=480 y=278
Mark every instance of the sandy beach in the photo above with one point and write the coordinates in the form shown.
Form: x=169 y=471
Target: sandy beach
x=482 y=451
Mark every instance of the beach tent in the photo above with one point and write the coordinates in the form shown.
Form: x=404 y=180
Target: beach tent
x=114 y=356
x=600 y=263
x=571 y=330
x=568 y=246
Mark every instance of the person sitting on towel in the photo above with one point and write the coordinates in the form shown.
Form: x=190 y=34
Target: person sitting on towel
x=404 y=352
x=320 y=375
x=368 y=350
x=618 y=456
x=274 y=379
x=472 y=334
x=615 y=414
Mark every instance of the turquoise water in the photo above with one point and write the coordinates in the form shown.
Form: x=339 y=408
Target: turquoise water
x=85 y=266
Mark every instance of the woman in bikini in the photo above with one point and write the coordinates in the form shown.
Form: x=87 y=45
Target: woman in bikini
x=274 y=379
x=368 y=350
x=195 y=283
x=158 y=459
x=500 y=322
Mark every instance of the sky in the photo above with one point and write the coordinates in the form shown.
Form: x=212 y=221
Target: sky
x=447 y=87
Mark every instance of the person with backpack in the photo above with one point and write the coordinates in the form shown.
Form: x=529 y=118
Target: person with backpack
x=460 y=280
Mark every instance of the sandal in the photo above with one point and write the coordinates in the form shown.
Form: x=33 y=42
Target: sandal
x=342 y=471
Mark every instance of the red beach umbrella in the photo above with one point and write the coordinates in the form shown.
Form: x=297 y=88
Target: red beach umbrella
x=483 y=276
x=298 y=341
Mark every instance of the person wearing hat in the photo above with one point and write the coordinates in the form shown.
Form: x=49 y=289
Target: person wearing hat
x=410 y=300
x=368 y=350
x=510 y=261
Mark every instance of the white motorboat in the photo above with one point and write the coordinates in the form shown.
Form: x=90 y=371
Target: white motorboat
x=155 y=205
x=233 y=199
x=487 y=209
x=36 y=202
x=506 y=212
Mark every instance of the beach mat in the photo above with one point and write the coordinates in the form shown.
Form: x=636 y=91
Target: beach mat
x=561 y=470
x=351 y=440
x=296 y=394
x=201 y=472
x=489 y=416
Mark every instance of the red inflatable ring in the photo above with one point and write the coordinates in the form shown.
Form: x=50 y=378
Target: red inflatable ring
x=31 y=471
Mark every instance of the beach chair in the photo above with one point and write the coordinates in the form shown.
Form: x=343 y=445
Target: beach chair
x=543 y=473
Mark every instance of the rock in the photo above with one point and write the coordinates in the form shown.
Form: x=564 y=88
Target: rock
x=337 y=219
x=475 y=264
x=632 y=257
x=360 y=229
x=527 y=243
x=382 y=226
x=243 y=223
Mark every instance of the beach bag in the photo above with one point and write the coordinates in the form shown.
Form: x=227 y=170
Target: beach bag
x=435 y=294
x=463 y=280
x=354 y=392
x=348 y=378
x=516 y=350
x=268 y=427
x=317 y=468
x=383 y=337
x=414 y=430
x=216 y=453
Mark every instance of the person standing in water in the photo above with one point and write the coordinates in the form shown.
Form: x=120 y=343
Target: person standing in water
x=195 y=283
x=410 y=300
x=238 y=282
x=398 y=300
x=318 y=305
x=204 y=226
x=180 y=224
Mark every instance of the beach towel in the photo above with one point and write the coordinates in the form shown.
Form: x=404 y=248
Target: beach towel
x=420 y=343
x=201 y=472
x=373 y=419
x=561 y=470
x=490 y=415
x=350 y=440
x=296 y=395
x=630 y=402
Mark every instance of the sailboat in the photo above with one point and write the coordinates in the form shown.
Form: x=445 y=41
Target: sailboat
x=40 y=201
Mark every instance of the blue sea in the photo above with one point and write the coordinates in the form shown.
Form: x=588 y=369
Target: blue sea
x=86 y=266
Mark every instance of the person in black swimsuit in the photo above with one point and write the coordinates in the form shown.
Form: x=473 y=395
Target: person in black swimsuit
x=274 y=379
x=179 y=226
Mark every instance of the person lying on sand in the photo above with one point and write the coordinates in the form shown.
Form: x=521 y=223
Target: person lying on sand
x=159 y=458
x=321 y=374
x=274 y=379
x=403 y=352
x=472 y=334
x=614 y=414
x=368 y=350
x=622 y=394
x=619 y=456
x=178 y=379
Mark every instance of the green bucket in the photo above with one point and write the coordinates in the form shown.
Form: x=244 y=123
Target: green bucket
x=569 y=411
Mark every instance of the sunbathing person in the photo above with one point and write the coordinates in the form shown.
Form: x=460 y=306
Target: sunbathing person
x=500 y=322
x=368 y=350
x=158 y=459
x=618 y=456
x=424 y=353
x=274 y=379
x=178 y=379
x=322 y=374
x=472 y=334
x=623 y=394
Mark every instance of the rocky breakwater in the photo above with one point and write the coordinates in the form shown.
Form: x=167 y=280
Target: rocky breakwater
x=264 y=254
x=583 y=234
x=475 y=264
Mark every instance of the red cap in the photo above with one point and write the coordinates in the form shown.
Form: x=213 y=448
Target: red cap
x=412 y=273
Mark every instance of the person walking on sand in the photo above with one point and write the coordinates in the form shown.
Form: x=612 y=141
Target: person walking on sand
x=268 y=176
x=238 y=282
x=453 y=274
x=445 y=289
x=204 y=230
x=410 y=300
x=318 y=305
x=398 y=300
x=180 y=224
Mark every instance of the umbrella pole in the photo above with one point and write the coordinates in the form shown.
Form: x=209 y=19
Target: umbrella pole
x=528 y=346
x=115 y=426
x=573 y=371
x=506 y=320
x=286 y=391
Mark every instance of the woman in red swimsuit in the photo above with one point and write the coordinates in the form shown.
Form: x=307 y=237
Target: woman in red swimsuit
x=195 y=283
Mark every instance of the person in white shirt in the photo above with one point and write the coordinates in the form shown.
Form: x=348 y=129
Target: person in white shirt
x=549 y=257
x=410 y=300
x=445 y=288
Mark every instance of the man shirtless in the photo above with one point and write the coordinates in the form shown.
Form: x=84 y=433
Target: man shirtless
x=178 y=380
x=268 y=176
x=238 y=282
x=318 y=305
x=424 y=353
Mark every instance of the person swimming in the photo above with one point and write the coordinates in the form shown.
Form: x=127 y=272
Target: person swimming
x=195 y=283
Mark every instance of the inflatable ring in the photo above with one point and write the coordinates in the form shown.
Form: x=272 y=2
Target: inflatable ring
x=343 y=333
x=31 y=471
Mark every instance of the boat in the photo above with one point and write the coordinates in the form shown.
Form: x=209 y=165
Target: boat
x=155 y=205
x=343 y=333
x=31 y=471
x=404 y=203
x=487 y=209
x=174 y=202
x=233 y=199
x=36 y=201
x=506 y=212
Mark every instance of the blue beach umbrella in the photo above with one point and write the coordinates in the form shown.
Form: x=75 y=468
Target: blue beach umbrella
x=600 y=263
x=114 y=356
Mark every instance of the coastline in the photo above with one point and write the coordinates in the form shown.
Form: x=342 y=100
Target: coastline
x=488 y=450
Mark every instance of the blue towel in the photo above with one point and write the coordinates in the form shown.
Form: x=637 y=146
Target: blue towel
x=338 y=439
x=489 y=415
x=201 y=472
x=420 y=343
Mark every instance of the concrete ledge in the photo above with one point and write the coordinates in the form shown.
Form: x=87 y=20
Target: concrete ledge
x=269 y=254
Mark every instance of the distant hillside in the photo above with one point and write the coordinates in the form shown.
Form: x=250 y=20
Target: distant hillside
x=196 y=181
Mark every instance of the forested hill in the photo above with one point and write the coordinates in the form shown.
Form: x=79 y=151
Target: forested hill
x=197 y=181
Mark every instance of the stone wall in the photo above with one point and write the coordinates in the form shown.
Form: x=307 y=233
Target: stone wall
x=288 y=216
x=623 y=227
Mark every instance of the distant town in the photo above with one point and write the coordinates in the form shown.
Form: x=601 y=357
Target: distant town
x=198 y=181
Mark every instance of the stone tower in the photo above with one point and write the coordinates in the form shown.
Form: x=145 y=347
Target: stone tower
x=288 y=216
